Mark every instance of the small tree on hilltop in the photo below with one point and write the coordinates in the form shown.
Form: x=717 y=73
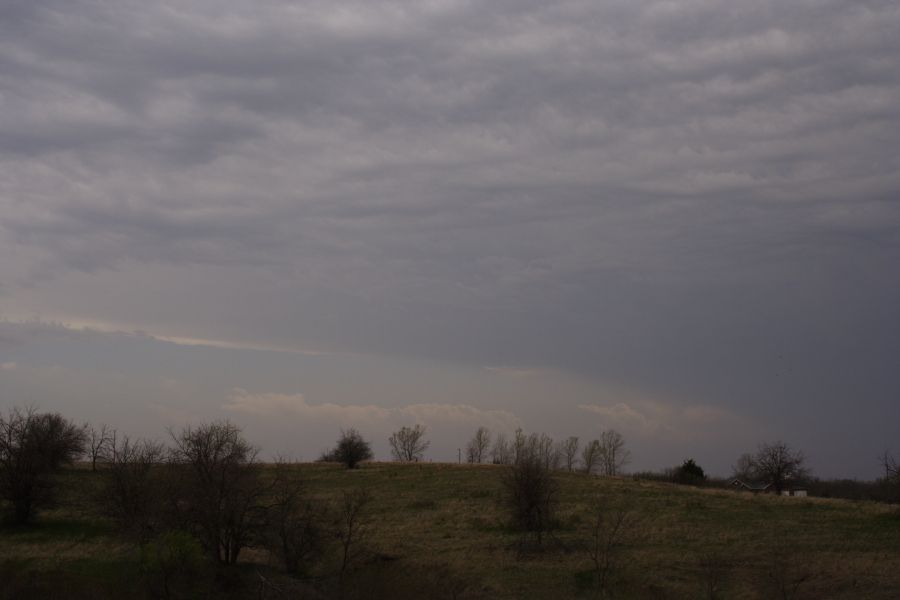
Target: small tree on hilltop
x=613 y=455
x=891 y=474
x=590 y=457
x=744 y=467
x=350 y=450
x=477 y=448
x=409 y=444
x=547 y=449
x=519 y=445
x=690 y=473
x=33 y=446
x=99 y=444
x=501 y=450
x=569 y=451
x=778 y=464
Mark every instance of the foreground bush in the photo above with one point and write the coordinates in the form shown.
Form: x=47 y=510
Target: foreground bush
x=218 y=486
x=33 y=447
x=297 y=525
x=173 y=566
x=134 y=492
x=530 y=493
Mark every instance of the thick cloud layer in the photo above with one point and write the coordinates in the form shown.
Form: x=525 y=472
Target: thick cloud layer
x=696 y=199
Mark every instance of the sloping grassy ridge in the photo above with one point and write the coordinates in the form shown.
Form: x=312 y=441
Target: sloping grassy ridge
x=440 y=530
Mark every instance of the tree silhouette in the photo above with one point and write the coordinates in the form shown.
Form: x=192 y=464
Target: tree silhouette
x=409 y=444
x=350 y=450
x=33 y=446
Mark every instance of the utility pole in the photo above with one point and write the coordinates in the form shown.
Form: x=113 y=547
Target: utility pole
x=459 y=455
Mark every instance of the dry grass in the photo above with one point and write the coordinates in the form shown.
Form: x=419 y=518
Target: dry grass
x=444 y=526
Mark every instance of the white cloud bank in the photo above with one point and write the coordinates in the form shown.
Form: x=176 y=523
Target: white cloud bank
x=369 y=415
x=647 y=418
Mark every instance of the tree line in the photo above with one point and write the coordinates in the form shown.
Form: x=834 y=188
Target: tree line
x=605 y=455
x=775 y=463
x=33 y=445
x=200 y=499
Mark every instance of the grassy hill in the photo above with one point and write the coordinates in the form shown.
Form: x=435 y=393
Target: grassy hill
x=439 y=530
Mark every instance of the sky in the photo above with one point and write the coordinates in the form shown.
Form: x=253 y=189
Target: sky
x=679 y=219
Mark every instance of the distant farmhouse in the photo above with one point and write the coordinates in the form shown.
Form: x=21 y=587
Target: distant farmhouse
x=765 y=488
x=747 y=486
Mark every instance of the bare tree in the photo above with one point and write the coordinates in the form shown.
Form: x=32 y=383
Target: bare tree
x=351 y=449
x=133 y=491
x=531 y=494
x=99 y=444
x=590 y=457
x=409 y=444
x=889 y=464
x=569 y=451
x=778 y=464
x=220 y=487
x=501 y=451
x=477 y=448
x=173 y=566
x=744 y=468
x=891 y=473
x=519 y=445
x=535 y=446
x=613 y=455
x=295 y=521
x=353 y=526
x=33 y=446
x=607 y=534
x=547 y=450
x=784 y=574
x=715 y=570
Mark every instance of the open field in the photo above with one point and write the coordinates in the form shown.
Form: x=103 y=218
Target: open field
x=441 y=531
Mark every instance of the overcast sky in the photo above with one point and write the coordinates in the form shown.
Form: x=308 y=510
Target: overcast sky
x=680 y=219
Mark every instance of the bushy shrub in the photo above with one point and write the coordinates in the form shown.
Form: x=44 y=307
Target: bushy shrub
x=351 y=449
x=33 y=447
x=690 y=473
x=134 y=488
x=530 y=494
x=173 y=565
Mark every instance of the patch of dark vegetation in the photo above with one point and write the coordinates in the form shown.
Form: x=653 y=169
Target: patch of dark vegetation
x=398 y=579
x=479 y=494
x=56 y=529
x=422 y=505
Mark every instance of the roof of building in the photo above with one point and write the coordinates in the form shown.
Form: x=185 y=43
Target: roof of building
x=750 y=485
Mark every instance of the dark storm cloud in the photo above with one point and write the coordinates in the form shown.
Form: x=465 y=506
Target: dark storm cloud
x=696 y=197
